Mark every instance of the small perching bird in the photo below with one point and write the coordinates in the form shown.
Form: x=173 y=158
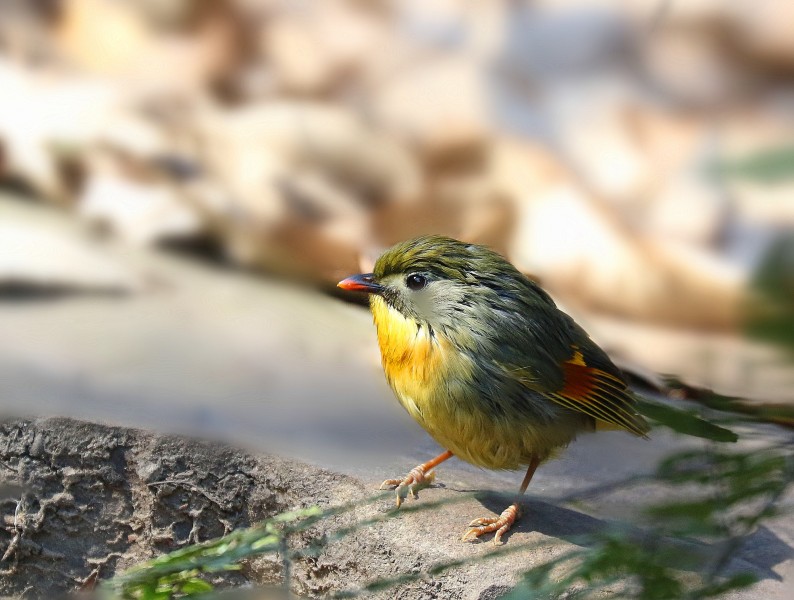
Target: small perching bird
x=483 y=359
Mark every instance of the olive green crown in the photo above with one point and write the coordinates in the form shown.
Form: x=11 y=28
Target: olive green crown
x=443 y=257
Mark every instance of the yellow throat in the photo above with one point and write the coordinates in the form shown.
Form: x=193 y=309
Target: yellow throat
x=413 y=359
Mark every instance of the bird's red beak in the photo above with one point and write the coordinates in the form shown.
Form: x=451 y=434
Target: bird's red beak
x=361 y=283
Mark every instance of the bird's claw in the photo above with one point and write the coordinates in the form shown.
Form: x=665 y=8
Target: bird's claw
x=416 y=480
x=500 y=525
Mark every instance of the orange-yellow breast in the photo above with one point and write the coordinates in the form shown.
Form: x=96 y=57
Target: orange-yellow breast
x=413 y=359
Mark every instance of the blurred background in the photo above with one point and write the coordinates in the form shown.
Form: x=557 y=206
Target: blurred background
x=185 y=181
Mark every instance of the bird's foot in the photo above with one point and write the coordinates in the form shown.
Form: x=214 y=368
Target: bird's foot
x=416 y=480
x=500 y=524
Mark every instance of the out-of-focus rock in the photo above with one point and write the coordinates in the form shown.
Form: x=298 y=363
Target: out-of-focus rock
x=650 y=165
x=353 y=34
x=689 y=208
x=130 y=135
x=47 y=122
x=127 y=189
x=37 y=254
x=466 y=206
x=24 y=31
x=286 y=187
x=143 y=212
x=438 y=105
x=314 y=52
x=168 y=45
x=250 y=146
x=753 y=33
x=100 y=35
x=483 y=213
x=681 y=201
x=762 y=31
x=462 y=196
x=686 y=64
x=308 y=173
x=297 y=57
x=581 y=250
x=564 y=43
x=605 y=151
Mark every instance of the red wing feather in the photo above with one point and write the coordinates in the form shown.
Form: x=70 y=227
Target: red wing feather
x=598 y=394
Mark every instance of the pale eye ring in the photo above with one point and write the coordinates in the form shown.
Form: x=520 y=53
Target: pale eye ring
x=416 y=282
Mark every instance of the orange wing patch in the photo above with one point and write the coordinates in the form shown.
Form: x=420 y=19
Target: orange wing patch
x=598 y=394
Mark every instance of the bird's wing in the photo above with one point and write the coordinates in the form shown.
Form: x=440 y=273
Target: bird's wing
x=601 y=394
x=550 y=354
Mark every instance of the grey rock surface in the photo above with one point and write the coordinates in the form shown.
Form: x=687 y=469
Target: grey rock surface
x=37 y=252
x=91 y=500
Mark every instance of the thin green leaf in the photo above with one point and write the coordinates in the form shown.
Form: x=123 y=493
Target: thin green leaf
x=684 y=422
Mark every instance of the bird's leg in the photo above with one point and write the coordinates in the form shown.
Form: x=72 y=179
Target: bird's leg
x=503 y=522
x=421 y=476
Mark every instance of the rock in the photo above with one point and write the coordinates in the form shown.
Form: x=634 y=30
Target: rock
x=582 y=250
x=761 y=31
x=439 y=105
x=297 y=58
x=753 y=35
x=302 y=175
x=606 y=153
x=313 y=53
x=353 y=35
x=281 y=136
x=86 y=510
x=689 y=208
x=83 y=514
x=551 y=45
x=678 y=200
x=46 y=122
x=582 y=254
x=689 y=66
x=169 y=46
x=138 y=209
x=38 y=254
x=87 y=514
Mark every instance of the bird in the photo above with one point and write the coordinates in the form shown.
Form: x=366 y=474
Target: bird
x=482 y=358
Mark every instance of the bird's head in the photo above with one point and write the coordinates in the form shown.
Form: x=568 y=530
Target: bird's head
x=442 y=282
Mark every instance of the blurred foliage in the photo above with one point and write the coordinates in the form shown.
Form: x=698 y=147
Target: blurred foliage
x=770 y=166
x=685 y=422
x=682 y=549
x=771 y=317
x=686 y=550
x=780 y=413
x=178 y=574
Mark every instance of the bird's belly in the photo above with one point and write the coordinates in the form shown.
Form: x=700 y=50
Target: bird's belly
x=485 y=440
x=464 y=424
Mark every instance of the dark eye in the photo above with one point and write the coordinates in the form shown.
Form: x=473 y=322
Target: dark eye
x=416 y=282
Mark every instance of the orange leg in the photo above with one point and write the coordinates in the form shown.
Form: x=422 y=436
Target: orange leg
x=503 y=522
x=419 y=477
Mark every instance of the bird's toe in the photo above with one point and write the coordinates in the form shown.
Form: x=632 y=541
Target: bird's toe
x=416 y=480
x=390 y=483
x=500 y=525
x=482 y=521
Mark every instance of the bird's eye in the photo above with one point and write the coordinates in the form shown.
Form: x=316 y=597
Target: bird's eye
x=416 y=282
